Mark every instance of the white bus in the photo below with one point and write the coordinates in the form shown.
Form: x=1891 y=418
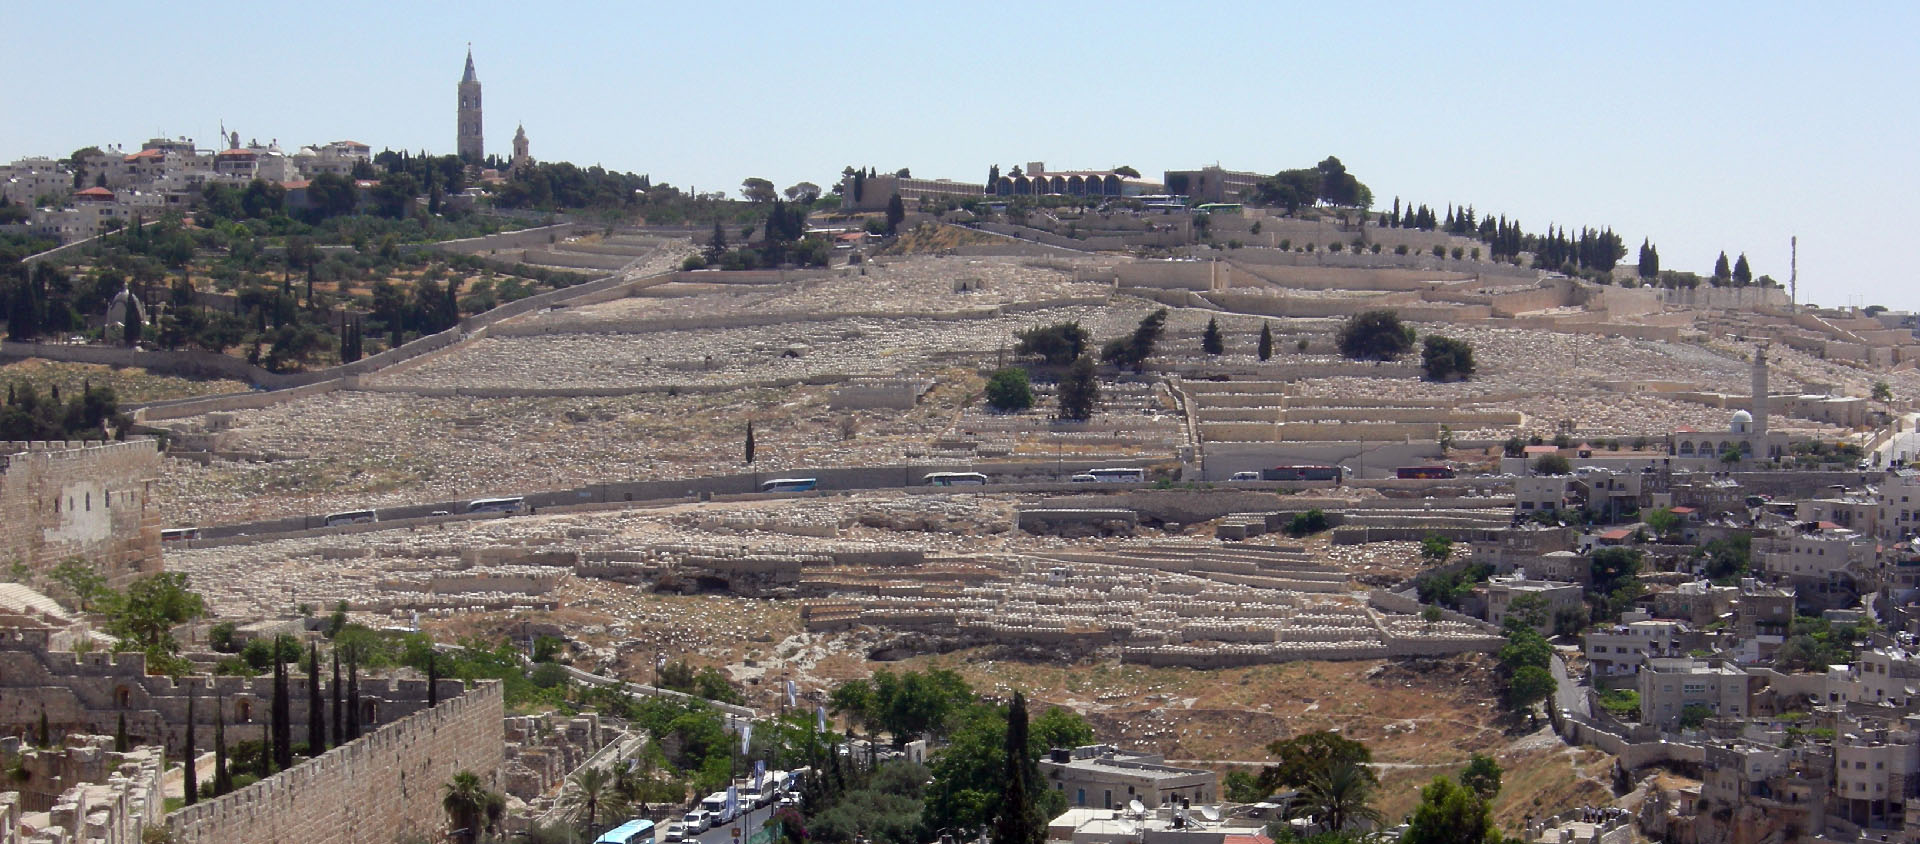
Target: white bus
x=497 y=505
x=351 y=517
x=179 y=534
x=1118 y=475
x=631 y=832
x=955 y=479
x=790 y=485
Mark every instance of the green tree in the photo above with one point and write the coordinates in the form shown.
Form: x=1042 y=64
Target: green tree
x=1242 y=787
x=1307 y=755
x=1436 y=548
x=1722 y=271
x=1663 y=521
x=1525 y=648
x=756 y=189
x=1210 y=340
x=1526 y=612
x=592 y=783
x=472 y=809
x=1266 y=341
x=1649 y=267
x=1514 y=447
x=1375 y=335
x=716 y=248
x=1611 y=568
x=1742 y=272
x=1450 y=813
x=1528 y=686
x=1079 y=391
x=1058 y=344
x=1008 y=390
x=316 y=705
x=190 y=754
x=1552 y=464
x=1882 y=393
x=1446 y=359
x=896 y=213
x=749 y=444
x=1339 y=796
x=144 y=617
x=1482 y=776
x=130 y=323
x=1131 y=352
x=80 y=579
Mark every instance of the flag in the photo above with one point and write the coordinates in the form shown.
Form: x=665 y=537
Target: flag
x=733 y=802
x=791 y=699
x=746 y=736
x=759 y=774
x=821 y=712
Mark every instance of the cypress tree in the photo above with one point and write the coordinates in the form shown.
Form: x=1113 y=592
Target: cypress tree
x=353 y=696
x=316 y=706
x=1722 y=272
x=46 y=734
x=1266 y=341
x=433 y=680
x=1210 y=340
x=1019 y=821
x=339 y=725
x=282 y=723
x=222 y=778
x=749 y=442
x=1742 y=272
x=191 y=772
x=121 y=742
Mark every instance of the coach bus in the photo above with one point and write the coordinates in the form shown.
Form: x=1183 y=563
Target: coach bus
x=1118 y=476
x=179 y=534
x=1423 y=472
x=351 y=517
x=1301 y=473
x=790 y=485
x=631 y=832
x=497 y=505
x=955 y=479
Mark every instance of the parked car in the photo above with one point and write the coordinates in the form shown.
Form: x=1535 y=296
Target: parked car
x=695 y=822
x=1245 y=476
x=675 y=832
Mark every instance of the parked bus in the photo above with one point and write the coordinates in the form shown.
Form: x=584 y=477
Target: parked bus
x=1426 y=472
x=631 y=832
x=1118 y=475
x=497 y=505
x=351 y=517
x=955 y=479
x=179 y=534
x=790 y=485
x=1301 y=473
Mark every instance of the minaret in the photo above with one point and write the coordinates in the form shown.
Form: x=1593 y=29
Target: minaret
x=1760 y=391
x=471 y=145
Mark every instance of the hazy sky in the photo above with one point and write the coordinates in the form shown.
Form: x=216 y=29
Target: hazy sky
x=1703 y=126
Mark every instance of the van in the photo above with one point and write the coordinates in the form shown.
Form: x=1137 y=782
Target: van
x=695 y=822
x=1245 y=476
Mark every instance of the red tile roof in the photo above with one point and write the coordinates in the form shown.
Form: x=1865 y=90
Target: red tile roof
x=146 y=153
x=95 y=193
x=1541 y=449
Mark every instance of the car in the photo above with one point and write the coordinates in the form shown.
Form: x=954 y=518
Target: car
x=674 y=833
x=440 y=513
x=1083 y=479
x=695 y=822
x=1864 y=465
x=1245 y=476
x=789 y=800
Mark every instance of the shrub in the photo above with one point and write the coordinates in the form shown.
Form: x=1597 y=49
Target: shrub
x=1447 y=359
x=1400 y=250
x=1552 y=464
x=1310 y=522
x=1375 y=335
x=1008 y=390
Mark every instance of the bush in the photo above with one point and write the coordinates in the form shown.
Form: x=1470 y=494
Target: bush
x=1439 y=251
x=1375 y=335
x=1008 y=390
x=1058 y=344
x=1447 y=359
x=1310 y=522
x=1552 y=464
x=1400 y=250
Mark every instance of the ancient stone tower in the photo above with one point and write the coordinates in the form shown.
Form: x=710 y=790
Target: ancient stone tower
x=1760 y=390
x=521 y=158
x=471 y=145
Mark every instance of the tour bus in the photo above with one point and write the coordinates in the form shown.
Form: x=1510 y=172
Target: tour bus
x=1118 y=475
x=497 y=505
x=790 y=485
x=351 y=517
x=1301 y=473
x=1424 y=472
x=631 y=832
x=715 y=805
x=179 y=534
x=955 y=479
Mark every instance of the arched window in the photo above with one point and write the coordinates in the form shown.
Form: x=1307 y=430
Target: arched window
x=1686 y=448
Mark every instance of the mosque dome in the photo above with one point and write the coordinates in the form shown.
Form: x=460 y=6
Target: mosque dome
x=1742 y=422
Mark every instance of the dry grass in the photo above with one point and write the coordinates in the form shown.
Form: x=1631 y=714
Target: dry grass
x=131 y=385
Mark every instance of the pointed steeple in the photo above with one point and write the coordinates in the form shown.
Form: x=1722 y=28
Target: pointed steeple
x=469 y=77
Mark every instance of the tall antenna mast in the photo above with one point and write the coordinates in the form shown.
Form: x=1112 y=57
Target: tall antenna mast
x=1793 y=277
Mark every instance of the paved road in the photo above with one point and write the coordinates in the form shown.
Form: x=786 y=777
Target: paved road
x=748 y=824
x=1568 y=695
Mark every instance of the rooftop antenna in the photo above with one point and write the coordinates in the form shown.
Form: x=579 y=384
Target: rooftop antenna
x=1136 y=807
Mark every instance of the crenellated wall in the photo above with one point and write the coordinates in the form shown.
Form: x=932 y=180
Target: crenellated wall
x=386 y=786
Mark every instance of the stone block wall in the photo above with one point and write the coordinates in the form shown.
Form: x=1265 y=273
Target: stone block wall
x=68 y=499
x=382 y=787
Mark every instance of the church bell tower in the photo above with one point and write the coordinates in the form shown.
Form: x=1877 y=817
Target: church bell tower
x=471 y=144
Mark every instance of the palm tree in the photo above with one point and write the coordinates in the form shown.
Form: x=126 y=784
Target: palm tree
x=1338 y=796
x=592 y=782
x=470 y=804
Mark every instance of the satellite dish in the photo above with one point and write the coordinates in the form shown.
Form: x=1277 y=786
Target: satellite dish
x=1211 y=813
x=1135 y=807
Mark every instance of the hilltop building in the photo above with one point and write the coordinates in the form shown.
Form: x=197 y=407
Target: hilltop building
x=470 y=141
x=521 y=158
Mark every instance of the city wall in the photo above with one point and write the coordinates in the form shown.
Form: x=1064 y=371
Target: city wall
x=382 y=787
x=77 y=499
x=505 y=241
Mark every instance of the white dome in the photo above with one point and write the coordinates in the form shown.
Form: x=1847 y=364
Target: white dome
x=1742 y=422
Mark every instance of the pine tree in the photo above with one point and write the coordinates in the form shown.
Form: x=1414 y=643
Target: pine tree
x=1266 y=339
x=717 y=245
x=316 y=706
x=1210 y=341
x=222 y=778
x=749 y=449
x=1078 y=391
x=191 y=754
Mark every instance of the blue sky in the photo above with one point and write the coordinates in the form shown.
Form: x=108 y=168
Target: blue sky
x=1703 y=126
